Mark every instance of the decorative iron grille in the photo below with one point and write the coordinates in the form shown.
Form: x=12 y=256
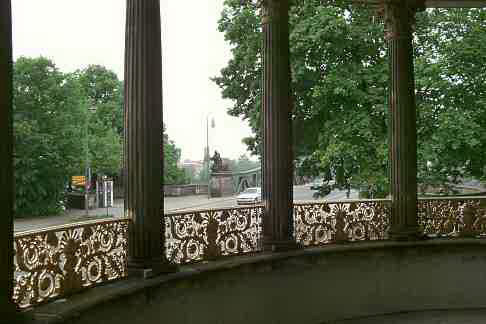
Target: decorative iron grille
x=452 y=217
x=341 y=221
x=59 y=261
x=208 y=234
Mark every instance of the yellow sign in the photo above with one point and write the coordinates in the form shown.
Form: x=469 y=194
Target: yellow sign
x=78 y=180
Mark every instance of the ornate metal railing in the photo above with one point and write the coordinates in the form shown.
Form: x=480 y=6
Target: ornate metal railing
x=341 y=221
x=452 y=217
x=59 y=261
x=63 y=260
x=207 y=234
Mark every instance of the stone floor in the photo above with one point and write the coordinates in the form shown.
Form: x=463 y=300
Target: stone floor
x=473 y=316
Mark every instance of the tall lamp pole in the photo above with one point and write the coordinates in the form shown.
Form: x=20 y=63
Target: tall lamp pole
x=87 y=179
x=207 y=151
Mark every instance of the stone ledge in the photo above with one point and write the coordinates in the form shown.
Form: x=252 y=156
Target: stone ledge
x=439 y=316
x=65 y=310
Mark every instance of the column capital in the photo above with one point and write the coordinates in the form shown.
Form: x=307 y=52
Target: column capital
x=399 y=17
x=273 y=10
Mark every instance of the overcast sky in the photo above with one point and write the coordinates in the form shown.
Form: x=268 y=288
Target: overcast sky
x=77 y=33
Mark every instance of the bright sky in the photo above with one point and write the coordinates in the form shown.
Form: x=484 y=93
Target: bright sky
x=77 y=33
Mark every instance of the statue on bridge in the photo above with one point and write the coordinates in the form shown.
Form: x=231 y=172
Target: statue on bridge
x=221 y=178
x=218 y=165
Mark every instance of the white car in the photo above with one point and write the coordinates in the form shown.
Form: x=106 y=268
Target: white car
x=250 y=196
x=316 y=184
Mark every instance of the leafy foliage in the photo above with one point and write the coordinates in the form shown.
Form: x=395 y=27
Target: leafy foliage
x=49 y=114
x=451 y=88
x=56 y=117
x=173 y=174
x=340 y=78
x=104 y=95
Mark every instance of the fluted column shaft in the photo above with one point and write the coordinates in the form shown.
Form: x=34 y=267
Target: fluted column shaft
x=399 y=20
x=277 y=155
x=6 y=164
x=143 y=134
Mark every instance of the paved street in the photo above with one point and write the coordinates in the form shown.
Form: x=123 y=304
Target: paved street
x=171 y=204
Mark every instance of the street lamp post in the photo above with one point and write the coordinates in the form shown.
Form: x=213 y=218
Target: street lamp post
x=207 y=151
x=87 y=175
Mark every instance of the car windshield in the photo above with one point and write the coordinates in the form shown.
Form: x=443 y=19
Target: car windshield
x=253 y=190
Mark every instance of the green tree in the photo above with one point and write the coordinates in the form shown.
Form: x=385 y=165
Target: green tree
x=340 y=78
x=172 y=174
x=104 y=95
x=451 y=88
x=190 y=175
x=49 y=116
x=203 y=175
x=105 y=148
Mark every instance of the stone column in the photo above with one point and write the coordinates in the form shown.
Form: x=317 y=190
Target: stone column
x=143 y=138
x=277 y=156
x=7 y=307
x=399 y=19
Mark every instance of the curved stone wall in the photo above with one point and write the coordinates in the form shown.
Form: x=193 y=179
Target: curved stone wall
x=317 y=285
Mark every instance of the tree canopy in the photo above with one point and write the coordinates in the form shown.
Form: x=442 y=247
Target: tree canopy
x=64 y=122
x=172 y=173
x=339 y=72
x=49 y=119
x=103 y=93
x=57 y=117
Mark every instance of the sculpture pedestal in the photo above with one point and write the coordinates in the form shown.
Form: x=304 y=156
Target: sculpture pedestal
x=221 y=184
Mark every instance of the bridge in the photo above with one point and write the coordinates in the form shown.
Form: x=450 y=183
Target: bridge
x=247 y=179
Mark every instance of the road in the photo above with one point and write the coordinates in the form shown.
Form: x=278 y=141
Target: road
x=171 y=204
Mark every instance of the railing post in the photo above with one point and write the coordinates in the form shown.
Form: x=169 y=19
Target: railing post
x=399 y=18
x=7 y=306
x=143 y=138
x=277 y=155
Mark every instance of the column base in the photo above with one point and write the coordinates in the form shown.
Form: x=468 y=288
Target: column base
x=154 y=269
x=280 y=246
x=409 y=234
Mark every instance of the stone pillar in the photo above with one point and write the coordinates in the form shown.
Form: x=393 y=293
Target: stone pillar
x=399 y=19
x=143 y=138
x=277 y=156
x=7 y=307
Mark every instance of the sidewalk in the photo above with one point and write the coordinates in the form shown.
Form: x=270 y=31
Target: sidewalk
x=67 y=217
x=79 y=215
x=172 y=204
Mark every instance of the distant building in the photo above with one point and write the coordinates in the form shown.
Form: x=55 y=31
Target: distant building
x=194 y=167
